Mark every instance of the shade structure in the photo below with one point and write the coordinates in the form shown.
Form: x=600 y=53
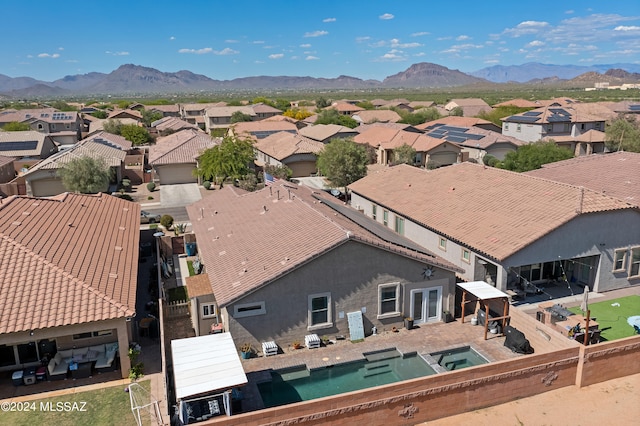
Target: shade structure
x=206 y=364
x=482 y=290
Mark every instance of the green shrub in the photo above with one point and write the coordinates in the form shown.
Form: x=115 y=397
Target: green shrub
x=151 y=186
x=206 y=184
x=149 y=197
x=124 y=197
x=166 y=221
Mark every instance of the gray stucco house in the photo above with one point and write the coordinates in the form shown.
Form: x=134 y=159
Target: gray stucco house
x=285 y=262
x=509 y=229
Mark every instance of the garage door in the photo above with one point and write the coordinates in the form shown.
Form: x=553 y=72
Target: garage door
x=179 y=173
x=444 y=158
x=47 y=187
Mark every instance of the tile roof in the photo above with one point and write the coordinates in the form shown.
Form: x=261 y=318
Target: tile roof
x=569 y=113
x=227 y=111
x=173 y=123
x=590 y=135
x=468 y=102
x=180 y=147
x=453 y=120
x=112 y=157
x=124 y=112
x=164 y=108
x=322 y=132
x=261 y=108
x=109 y=139
x=9 y=143
x=616 y=174
x=266 y=125
x=249 y=240
x=344 y=107
x=4 y=160
x=468 y=136
x=520 y=103
x=377 y=115
x=284 y=144
x=66 y=260
x=49 y=115
x=493 y=211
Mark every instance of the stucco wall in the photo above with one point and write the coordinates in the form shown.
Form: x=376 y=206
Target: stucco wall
x=352 y=273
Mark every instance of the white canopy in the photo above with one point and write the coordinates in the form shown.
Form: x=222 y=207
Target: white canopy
x=206 y=364
x=482 y=290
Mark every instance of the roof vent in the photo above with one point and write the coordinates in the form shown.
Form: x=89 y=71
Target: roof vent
x=118 y=248
x=16 y=223
x=70 y=225
x=113 y=275
x=26 y=213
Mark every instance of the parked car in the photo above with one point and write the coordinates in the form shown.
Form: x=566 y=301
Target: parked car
x=146 y=217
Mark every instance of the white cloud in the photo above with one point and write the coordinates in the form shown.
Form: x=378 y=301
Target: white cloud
x=276 y=56
x=49 y=55
x=231 y=41
x=491 y=61
x=108 y=52
x=225 y=51
x=527 y=28
x=626 y=28
x=536 y=43
x=396 y=44
x=394 y=55
x=463 y=37
x=420 y=34
x=197 y=51
x=258 y=42
x=172 y=38
x=305 y=45
x=386 y=16
x=316 y=33
x=570 y=12
x=311 y=58
x=329 y=20
x=362 y=39
x=444 y=38
x=60 y=48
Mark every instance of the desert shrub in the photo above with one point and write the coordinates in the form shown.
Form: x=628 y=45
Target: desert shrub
x=166 y=221
x=151 y=186
x=206 y=184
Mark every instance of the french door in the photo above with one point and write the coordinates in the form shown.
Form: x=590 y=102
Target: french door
x=426 y=304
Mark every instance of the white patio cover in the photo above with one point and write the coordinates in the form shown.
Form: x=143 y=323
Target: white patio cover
x=482 y=290
x=206 y=364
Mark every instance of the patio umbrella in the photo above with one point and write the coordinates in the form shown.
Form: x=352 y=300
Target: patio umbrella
x=584 y=306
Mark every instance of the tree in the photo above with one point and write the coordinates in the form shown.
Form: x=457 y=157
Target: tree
x=322 y=103
x=366 y=105
x=332 y=116
x=532 y=156
x=136 y=134
x=149 y=116
x=623 y=135
x=15 y=126
x=404 y=154
x=230 y=159
x=100 y=114
x=112 y=126
x=85 y=175
x=63 y=106
x=280 y=172
x=420 y=116
x=457 y=112
x=343 y=162
x=239 y=116
x=297 y=113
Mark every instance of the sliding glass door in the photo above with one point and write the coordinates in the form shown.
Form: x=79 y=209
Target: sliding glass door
x=426 y=305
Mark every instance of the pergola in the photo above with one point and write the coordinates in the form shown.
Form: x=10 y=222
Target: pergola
x=485 y=292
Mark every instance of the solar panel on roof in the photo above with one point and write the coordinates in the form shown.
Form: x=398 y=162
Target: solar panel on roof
x=559 y=111
x=455 y=139
x=436 y=135
x=18 y=145
x=473 y=136
x=522 y=119
x=558 y=118
x=634 y=107
x=455 y=129
x=532 y=113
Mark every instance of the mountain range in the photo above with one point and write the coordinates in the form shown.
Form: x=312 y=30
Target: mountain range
x=132 y=79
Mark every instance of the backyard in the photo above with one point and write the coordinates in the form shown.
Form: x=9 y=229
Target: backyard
x=612 y=315
x=106 y=406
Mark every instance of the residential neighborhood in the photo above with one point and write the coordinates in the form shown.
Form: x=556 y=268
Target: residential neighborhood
x=252 y=273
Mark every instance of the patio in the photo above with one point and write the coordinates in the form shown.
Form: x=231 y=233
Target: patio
x=423 y=339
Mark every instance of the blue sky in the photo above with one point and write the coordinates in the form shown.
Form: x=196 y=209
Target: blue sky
x=365 y=39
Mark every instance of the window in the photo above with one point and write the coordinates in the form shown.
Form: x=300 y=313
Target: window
x=90 y=334
x=319 y=311
x=466 y=255
x=518 y=127
x=634 y=269
x=442 y=244
x=7 y=356
x=549 y=128
x=620 y=260
x=506 y=126
x=27 y=352
x=374 y=212
x=249 y=309
x=388 y=300
x=385 y=217
x=208 y=310
x=400 y=225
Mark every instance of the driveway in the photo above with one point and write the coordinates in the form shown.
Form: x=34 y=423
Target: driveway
x=179 y=195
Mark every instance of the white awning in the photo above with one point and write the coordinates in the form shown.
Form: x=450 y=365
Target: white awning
x=482 y=290
x=206 y=364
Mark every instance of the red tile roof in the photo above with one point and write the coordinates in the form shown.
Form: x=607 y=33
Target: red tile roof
x=66 y=260
x=493 y=211
x=246 y=241
x=284 y=144
x=616 y=174
x=181 y=147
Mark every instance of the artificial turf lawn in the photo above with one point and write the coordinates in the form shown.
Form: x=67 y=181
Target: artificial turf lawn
x=613 y=319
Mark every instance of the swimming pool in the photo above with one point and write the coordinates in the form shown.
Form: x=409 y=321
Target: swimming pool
x=379 y=368
x=462 y=357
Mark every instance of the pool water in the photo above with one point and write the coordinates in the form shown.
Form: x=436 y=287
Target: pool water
x=381 y=368
x=455 y=359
